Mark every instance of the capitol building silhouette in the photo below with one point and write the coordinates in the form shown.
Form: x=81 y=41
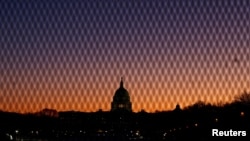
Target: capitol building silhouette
x=121 y=100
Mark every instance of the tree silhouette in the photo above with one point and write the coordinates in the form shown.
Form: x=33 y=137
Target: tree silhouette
x=196 y=106
x=244 y=98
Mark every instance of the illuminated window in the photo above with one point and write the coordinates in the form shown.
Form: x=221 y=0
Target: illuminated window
x=121 y=106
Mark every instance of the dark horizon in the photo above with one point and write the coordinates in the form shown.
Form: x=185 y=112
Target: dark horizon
x=243 y=98
x=200 y=121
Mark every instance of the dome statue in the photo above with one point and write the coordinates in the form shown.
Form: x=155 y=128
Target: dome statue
x=121 y=99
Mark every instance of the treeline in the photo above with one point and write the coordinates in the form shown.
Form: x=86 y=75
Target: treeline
x=195 y=120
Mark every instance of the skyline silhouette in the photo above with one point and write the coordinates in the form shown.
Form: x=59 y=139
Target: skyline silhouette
x=122 y=97
x=200 y=121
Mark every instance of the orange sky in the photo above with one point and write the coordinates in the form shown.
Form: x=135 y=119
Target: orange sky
x=70 y=55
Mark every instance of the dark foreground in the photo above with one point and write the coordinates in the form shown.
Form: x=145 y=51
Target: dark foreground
x=193 y=123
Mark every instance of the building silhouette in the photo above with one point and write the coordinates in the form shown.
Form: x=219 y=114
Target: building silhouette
x=121 y=99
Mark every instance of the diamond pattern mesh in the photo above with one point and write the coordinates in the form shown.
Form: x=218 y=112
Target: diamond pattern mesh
x=70 y=55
